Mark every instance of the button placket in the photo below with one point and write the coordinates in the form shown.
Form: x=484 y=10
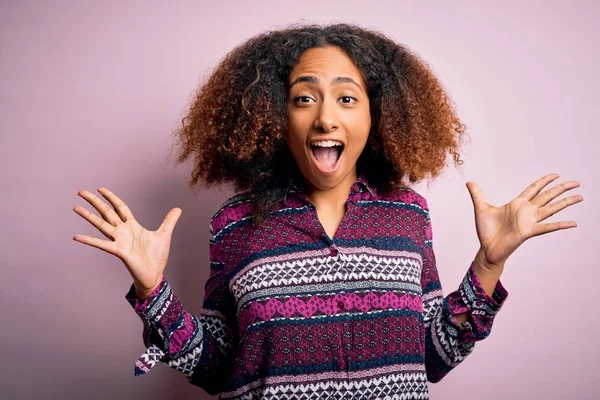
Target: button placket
x=345 y=343
x=333 y=250
x=338 y=336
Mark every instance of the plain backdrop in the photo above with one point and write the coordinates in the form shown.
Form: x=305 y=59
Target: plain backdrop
x=91 y=91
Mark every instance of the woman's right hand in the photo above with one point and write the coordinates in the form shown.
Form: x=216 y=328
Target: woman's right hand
x=144 y=253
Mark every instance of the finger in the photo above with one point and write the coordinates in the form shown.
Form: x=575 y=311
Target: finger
x=541 y=229
x=479 y=202
x=550 y=194
x=118 y=204
x=107 y=213
x=532 y=190
x=170 y=220
x=108 y=246
x=553 y=208
x=103 y=226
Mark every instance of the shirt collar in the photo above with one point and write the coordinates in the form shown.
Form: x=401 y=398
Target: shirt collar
x=362 y=181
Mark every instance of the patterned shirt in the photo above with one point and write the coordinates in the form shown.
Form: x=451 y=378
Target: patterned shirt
x=289 y=313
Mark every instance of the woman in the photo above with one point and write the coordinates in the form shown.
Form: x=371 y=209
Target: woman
x=323 y=281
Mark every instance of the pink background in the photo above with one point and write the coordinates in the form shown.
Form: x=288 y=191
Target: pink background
x=91 y=91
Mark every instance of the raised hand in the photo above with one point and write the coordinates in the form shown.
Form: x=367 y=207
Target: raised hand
x=501 y=230
x=144 y=253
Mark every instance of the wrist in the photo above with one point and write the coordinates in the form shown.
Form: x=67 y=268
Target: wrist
x=485 y=268
x=143 y=294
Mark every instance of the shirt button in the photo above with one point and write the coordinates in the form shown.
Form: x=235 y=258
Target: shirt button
x=333 y=251
x=341 y=305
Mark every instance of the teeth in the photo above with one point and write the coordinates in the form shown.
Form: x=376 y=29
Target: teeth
x=326 y=143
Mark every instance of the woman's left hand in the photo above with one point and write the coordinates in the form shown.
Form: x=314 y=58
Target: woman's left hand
x=501 y=230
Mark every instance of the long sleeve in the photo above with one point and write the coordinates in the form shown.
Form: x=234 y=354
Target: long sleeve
x=446 y=344
x=203 y=347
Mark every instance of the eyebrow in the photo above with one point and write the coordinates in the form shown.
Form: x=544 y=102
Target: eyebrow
x=314 y=80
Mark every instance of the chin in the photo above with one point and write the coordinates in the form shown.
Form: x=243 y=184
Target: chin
x=327 y=181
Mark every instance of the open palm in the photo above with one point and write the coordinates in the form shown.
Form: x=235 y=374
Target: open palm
x=144 y=253
x=501 y=230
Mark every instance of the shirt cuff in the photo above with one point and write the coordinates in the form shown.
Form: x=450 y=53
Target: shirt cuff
x=472 y=298
x=161 y=309
x=160 y=312
x=152 y=356
x=141 y=306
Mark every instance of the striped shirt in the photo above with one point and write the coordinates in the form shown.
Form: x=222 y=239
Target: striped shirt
x=289 y=313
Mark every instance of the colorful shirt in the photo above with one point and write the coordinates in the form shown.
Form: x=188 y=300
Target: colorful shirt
x=289 y=313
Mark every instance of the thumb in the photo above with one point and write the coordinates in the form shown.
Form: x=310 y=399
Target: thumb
x=170 y=220
x=479 y=202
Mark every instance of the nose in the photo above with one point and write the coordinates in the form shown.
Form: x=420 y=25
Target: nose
x=327 y=118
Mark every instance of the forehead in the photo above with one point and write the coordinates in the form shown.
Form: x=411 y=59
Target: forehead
x=326 y=62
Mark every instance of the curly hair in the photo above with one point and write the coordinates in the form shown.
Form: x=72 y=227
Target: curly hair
x=235 y=125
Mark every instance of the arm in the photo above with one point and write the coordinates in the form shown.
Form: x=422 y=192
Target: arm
x=203 y=347
x=453 y=324
x=488 y=278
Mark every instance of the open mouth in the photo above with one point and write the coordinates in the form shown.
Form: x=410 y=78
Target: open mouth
x=327 y=154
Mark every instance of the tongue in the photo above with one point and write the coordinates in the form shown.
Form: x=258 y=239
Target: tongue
x=326 y=156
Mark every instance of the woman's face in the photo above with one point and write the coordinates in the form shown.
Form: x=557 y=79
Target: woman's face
x=328 y=117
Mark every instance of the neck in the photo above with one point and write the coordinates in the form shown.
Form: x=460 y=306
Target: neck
x=333 y=197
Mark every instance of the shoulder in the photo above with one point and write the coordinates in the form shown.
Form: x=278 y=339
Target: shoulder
x=405 y=196
x=416 y=204
x=234 y=210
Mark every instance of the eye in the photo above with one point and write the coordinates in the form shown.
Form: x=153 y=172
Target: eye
x=348 y=98
x=297 y=99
